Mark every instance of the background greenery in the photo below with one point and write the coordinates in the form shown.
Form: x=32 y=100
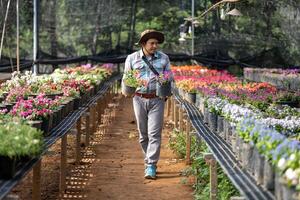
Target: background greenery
x=76 y=27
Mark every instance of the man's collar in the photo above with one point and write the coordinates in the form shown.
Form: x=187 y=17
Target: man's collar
x=156 y=54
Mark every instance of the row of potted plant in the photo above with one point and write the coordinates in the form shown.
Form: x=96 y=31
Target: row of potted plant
x=225 y=102
x=282 y=78
x=32 y=105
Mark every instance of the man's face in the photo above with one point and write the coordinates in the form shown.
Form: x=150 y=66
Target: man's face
x=151 y=45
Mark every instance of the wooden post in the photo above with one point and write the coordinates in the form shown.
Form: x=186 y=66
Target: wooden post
x=78 y=140
x=36 y=181
x=172 y=109
x=99 y=110
x=175 y=115
x=209 y=159
x=188 y=142
x=87 y=129
x=166 y=109
x=181 y=120
x=63 y=164
x=90 y=110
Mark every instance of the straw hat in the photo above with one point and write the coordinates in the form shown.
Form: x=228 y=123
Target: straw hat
x=149 y=34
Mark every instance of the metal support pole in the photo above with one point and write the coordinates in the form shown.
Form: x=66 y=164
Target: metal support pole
x=18 y=37
x=193 y=15
x=188 y=142
x=172 y=109
x=209 y=159
x=63 y=164
x=36 y=185
x=35 y=35
x=78 y=140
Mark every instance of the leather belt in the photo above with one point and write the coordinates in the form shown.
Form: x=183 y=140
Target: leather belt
x=146 y=95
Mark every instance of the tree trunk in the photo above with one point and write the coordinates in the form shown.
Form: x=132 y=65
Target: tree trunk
x=97 y=28
x=132 y=24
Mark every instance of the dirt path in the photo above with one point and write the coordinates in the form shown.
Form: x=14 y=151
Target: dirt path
x=118 y=169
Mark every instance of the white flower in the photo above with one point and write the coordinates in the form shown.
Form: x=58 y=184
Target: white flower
x=292 y=156
x=35 y=141
x=291 y=174
x=281 y=163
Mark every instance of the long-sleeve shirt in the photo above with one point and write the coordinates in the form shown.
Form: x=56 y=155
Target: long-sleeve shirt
x=160 y=62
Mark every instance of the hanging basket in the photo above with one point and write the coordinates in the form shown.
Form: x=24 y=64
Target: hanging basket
x=163 y=90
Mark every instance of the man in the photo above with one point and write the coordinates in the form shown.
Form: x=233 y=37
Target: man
x=148 y=108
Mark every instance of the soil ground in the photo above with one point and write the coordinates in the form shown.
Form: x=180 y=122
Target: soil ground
x=112 y=167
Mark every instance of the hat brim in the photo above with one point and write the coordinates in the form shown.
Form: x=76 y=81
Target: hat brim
x=154 y=34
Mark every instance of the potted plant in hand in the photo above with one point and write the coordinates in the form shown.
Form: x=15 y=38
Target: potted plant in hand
x=163 y=85
x=17 y=141
x=131 y=82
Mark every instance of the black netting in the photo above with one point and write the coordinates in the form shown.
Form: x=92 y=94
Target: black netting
x=73 y=31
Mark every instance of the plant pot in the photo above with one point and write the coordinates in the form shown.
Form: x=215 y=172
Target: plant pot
x=289 y=193
x=191 y=97
x=163 y=90
x=226 y=129
x=212 y=121
x=278 y=188
x=292 y=104
x=9 y=106
x=220 y=124
x=128 y=91
x=198 y=100
x=7 y=167
x=35 y=123
x=259 y=166
x=54 y=95
x=247 y=156
x=77 y=103
x=269 y=176
x=201 y=106
x=47 y=125
x=206 y=115
x=238 y=148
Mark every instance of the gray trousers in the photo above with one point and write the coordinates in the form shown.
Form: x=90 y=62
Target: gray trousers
x=149 y=114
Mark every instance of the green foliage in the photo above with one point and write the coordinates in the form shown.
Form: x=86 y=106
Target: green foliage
x=19 y=139
x=200 y=169
x=77 y=27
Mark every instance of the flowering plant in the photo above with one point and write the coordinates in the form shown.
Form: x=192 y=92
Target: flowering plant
x=132 y=78
x=34 y=108
x=19 y=139
x=165 y=77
